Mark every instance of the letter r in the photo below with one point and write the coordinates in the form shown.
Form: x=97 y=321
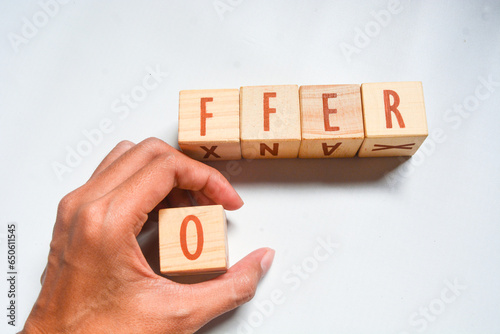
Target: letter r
x=392 y=107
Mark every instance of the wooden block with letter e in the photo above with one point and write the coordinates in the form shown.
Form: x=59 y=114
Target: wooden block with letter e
x=209 y=124
x=270 y=121
x=193 y=240
x=394 y=117
x=332 y=121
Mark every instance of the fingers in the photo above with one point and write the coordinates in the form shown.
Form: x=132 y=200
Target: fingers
x=153 y=167
x=141 y=192
x=235 y=287
x=125 y=166
x=115 y=153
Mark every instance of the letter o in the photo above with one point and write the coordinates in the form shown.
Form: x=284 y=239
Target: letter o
x=256 y=319
x=372 y=29
x=310 y=264
x=199 y=233
x=406 y=170
x=139 y=93
x=84 y=148
x=40 y=19
x=471 y=103
x=417 y=159
x=437 y=306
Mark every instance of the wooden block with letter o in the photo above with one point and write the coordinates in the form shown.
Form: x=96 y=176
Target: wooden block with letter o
x=193 y=240
x=332 y=121
x=270 y=121
x=394 y=117
x=209 y=124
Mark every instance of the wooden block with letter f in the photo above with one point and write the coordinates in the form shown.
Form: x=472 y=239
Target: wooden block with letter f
x=394 y=119
x=209 y=124
x=270 y=122
x=331 y=120
x=193 y=240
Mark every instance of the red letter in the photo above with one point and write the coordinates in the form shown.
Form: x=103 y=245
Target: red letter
x=264 y=148
x=328 y=150
x=393 y=108
x=204 y=115
x=327 y=111
x=268 y=110
x=199 y=232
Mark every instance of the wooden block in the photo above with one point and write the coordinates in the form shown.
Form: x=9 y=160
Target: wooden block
x=193 y=240
x=395 y=120
x=331 y=120
x=270 y=122
x=209 y=124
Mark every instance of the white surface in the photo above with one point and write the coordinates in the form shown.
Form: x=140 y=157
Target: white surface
x=399 y=242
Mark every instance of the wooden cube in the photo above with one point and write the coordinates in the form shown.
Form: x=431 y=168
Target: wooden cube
x=193 y=240
x=270 y=122
x=395 y=120
x=331 y=120
x=209 y=124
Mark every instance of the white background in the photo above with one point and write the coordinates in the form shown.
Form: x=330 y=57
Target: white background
x=403 y=227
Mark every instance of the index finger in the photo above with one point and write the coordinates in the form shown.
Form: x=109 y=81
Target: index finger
x=141 y=192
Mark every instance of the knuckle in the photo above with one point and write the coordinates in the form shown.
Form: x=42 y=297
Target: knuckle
x=125 y=144
x=155 y=144
x=68 y=202
x=89 y=212
x=55 y=249
x=66 y=208
x=89 y=220
x=168 y=159
x=182 y=313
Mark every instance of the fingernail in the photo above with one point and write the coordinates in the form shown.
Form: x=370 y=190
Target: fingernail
x=241 y=201
x=267 y=260
x=239 y=197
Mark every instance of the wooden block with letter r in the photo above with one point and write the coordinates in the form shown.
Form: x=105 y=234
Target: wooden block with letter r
x=331 y=120
x=193 y=240
x=394 y=117
x=270 y=122
x=209 y=124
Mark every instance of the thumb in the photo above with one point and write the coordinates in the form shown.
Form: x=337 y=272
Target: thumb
x=236 y=287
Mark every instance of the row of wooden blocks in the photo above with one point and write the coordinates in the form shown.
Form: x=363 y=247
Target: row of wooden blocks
x=320 y=121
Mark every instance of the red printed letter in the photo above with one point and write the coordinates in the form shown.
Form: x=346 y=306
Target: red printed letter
x=327 y=111
x=328 y=150
x=199 y=233
x=204 y=115
x=393 y=108
x=268 y=110
x=264 y=148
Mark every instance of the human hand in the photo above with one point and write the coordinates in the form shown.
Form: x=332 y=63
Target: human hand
x=97 y=279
